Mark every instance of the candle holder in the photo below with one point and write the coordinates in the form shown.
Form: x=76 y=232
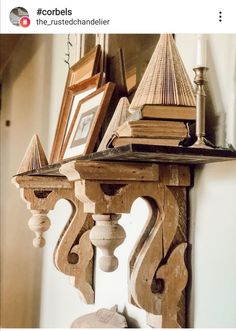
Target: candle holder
x=200 y=80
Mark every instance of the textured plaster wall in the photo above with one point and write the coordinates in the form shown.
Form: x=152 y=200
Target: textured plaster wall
x=212 y=199
x=24 y=105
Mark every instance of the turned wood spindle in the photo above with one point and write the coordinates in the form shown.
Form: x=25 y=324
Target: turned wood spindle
x=39 y=223
x=107 y=235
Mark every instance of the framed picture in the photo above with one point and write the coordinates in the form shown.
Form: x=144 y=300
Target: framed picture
x=78 y=92
x=75 y=94
x=77 y=80
x=86 y=124
x=117 y=72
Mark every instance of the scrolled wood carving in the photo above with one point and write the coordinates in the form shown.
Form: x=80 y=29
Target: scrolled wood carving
x=175 y=276
x=159 y=248
x=157 y=274
x=166 y=275
x=74 y=253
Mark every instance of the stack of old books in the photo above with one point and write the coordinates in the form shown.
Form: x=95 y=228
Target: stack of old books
x=156 y=125
x=163 y=107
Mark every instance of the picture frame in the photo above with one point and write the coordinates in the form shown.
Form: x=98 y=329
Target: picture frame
x=80 y=91
x=78 y=74
x=117 y=72
x=87 y=122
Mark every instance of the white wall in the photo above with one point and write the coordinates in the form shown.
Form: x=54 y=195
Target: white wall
x=213 y=224
x=24 y=103
x=212 y=199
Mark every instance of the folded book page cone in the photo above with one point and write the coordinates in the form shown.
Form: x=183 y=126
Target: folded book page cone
x=165 y=81
x=103 y=318
x=119 y=117
x=34 y=157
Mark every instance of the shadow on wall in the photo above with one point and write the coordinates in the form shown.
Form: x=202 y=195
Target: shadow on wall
x=132 y=322
x=24 y=52
x=215 y=112
x=234 y=102
x=221 y=112
x=25 y=102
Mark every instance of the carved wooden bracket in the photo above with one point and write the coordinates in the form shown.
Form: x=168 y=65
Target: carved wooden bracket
x=157 y=271
x=102 y=191
x=74 y=253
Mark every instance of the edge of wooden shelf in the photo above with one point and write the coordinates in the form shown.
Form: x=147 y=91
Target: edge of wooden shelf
x=145 y=153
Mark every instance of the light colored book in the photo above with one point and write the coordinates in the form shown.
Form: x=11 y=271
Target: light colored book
x=121 y=141
x=170 y=112
x=153 y=129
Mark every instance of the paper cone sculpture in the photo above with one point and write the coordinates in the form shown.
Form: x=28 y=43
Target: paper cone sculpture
x=34 y=156
x=119 y=117
x=165 y=81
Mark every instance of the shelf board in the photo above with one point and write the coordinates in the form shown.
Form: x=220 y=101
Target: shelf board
x=147 y=153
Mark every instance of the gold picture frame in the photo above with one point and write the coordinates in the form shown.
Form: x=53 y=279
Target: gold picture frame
x=87 y=122
x=78 y=78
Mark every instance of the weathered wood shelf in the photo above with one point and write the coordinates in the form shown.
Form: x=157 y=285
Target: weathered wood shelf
x=147 y=153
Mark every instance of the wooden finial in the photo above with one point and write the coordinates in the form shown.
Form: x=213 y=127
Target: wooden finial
x=34 y=157
x=107 y=235
x=165 y=81
x=39 y=223
x=119 y=117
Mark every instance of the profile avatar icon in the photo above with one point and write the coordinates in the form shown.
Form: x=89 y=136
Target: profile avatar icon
x=19 y=16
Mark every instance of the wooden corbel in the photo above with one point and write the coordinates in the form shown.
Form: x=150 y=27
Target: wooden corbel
x=157 y=270
x=74 y=253
x=99 y=192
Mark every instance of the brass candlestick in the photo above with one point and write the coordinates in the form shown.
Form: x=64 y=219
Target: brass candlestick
x=200 y=80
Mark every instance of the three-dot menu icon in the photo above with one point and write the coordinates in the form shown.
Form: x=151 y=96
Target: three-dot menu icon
x=220 y=16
